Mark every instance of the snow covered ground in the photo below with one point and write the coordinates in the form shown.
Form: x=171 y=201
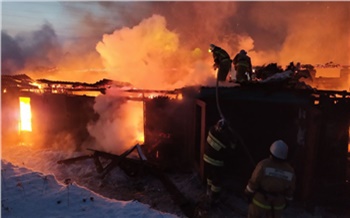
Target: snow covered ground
x=33 y=184
x=25 y=193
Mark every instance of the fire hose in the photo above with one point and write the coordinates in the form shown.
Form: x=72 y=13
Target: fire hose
x=233 y=132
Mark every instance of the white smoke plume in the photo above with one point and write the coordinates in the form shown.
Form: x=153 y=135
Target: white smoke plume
x=163 y=45
x=308 y=32
x=119 y=124
x=149 y=56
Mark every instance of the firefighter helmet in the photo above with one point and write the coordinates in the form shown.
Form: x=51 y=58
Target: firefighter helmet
x=243 y=51
x=279 y=149
x=211 y=47
x=221 y=124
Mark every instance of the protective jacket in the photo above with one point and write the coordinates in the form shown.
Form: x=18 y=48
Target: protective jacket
x=272 y=184
x=243 y=65
x=219 y=141
x=219 y=55
x=222 y=61
x=242 y=59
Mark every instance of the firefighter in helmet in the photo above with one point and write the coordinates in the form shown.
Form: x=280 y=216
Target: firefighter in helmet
x=222 y=62
x=219 y=143
x=243 y=67
x=272 y=184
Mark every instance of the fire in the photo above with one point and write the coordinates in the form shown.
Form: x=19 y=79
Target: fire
x=135 y=117
x=25 y=123
x=140 y=137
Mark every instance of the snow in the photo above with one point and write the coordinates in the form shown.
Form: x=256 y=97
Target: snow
x=26 y=193
x=33 y=184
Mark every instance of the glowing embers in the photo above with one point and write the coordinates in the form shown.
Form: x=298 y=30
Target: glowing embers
x=25 y=122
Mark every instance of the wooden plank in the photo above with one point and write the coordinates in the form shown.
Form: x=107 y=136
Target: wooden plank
x=116 y=160
x=74 y=159
x=98 y=165
x=140 y=152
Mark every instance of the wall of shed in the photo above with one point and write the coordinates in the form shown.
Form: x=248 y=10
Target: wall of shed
x=168 y=127
x=259 y=124
x=310 y=131
x=56 y=119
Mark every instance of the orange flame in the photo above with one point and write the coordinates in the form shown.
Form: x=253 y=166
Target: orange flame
x=25 y=123
x=136 y=117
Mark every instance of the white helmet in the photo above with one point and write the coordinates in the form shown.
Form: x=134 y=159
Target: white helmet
x=279 y=149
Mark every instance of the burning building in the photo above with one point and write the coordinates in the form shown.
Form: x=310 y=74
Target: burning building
x=160 y=48
x=34 y=112
x=331 y=76
x=314 y=123
x=175 y=124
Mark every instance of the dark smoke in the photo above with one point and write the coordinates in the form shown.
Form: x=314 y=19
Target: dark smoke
x=271 y=31
x=32 y=51
x=309 y=32
x=12 y=58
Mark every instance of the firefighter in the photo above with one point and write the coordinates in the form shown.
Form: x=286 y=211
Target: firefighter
x=243 y=66
x=272 y=184
x=218 y=145
x=222 y=62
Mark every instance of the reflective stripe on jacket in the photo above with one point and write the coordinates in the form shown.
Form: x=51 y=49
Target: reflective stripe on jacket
x=242 y=60
x=216 y=146
x=272 y=182
x=268 y=207
x=244 y=64
x=214 y=142
x=218 y=163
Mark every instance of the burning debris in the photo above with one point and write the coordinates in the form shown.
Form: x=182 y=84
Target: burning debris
x=306 y=76
x=170 y=127
x=133 y=166
x=151 y=52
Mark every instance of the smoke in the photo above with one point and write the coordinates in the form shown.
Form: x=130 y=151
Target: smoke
x=119 y=123
x=40 y=54
x=12 y=59
x=308 y=32
x=163 y=45
x=319 y=39
x=149 y=56
x=33 y=51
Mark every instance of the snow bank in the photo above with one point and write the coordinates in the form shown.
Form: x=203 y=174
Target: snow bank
x=25 y=193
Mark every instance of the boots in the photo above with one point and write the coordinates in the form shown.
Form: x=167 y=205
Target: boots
x=212 y=198
x=208 y=190
x=207 y=200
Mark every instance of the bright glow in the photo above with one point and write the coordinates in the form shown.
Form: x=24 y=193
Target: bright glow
x=87 y=93
x=25 y=123
x=140 y=137
x=152 y=96
x=137 y=119
x=328 y=72
x=37 y=85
